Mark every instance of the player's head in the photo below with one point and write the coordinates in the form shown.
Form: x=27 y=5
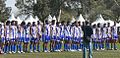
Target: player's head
x=16 y=23
x=8 y=23
x=58 y=23
x=68 y=22
x=104 y=25
x=53 y=22
x=0 y=25
x=98 y=25
x=83 y=23
x=86 y=23
x=79 y=23
x=23 y=23
x=94 y=26
x=114 y=23
x=38 y=22
x=76 y=23
x=28 y=24
x=46 y=22
x=13 y=23
x=72 y=24
x=90 y=23
x=63 y=23
x=33 y=24
x=108 y=24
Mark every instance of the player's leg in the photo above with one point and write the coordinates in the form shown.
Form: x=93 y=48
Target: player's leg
x=54 y=40
x=19 y=45
x=52 y=44
x=31 y=44
x=10 y=46
x=6 y=45
x=103 y=43
x=2 y=45
x=26 y=42
x=80 y=44
x=60 y=43
x=73 y=44
x=94 y=44
x=69 y=43
x=115 y=42
x=38 y=44
x=46 y=41
x=76 y=44
x=15 y=45
x=45 y=46
x=72 y=41
x=108 y=43
x=65 y=44
x=35 y=45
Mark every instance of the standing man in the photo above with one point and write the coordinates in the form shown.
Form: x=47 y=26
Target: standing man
x=53 y=36
x=87 y=41
x=114 y=36
x=39 y=35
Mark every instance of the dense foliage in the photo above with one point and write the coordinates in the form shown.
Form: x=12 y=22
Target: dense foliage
x=110 y=9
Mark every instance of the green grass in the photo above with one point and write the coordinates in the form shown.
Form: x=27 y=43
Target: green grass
x=96 y=54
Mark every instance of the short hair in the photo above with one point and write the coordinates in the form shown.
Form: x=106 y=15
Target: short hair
x=8 y=22
x=86 y=22
x=46 y=21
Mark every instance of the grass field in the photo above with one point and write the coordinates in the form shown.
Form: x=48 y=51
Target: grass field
x=96 y=54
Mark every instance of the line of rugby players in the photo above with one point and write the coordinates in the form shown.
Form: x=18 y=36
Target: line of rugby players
x=54 y=36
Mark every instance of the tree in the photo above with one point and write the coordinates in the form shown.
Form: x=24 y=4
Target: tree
x=25 y=6
x=41 y=9
x=4 y=11
x=45 y=7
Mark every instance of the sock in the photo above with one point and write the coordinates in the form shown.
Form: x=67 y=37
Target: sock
x=115 y=47
x=45 y=48
x=94 y=46
x=5 y=48
x=60 y=46
x=100 y=45
x=10 y=48
x=19 y=46
x=78 y=46
x=38 y=47
x=30 y=47
x=73 y=46
x=65 y=46
x=103 y=45
x=68 y=47
x=107 y=45
x=14 y=48
x=34 y=47
x=57 y=46
x=24 y=48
